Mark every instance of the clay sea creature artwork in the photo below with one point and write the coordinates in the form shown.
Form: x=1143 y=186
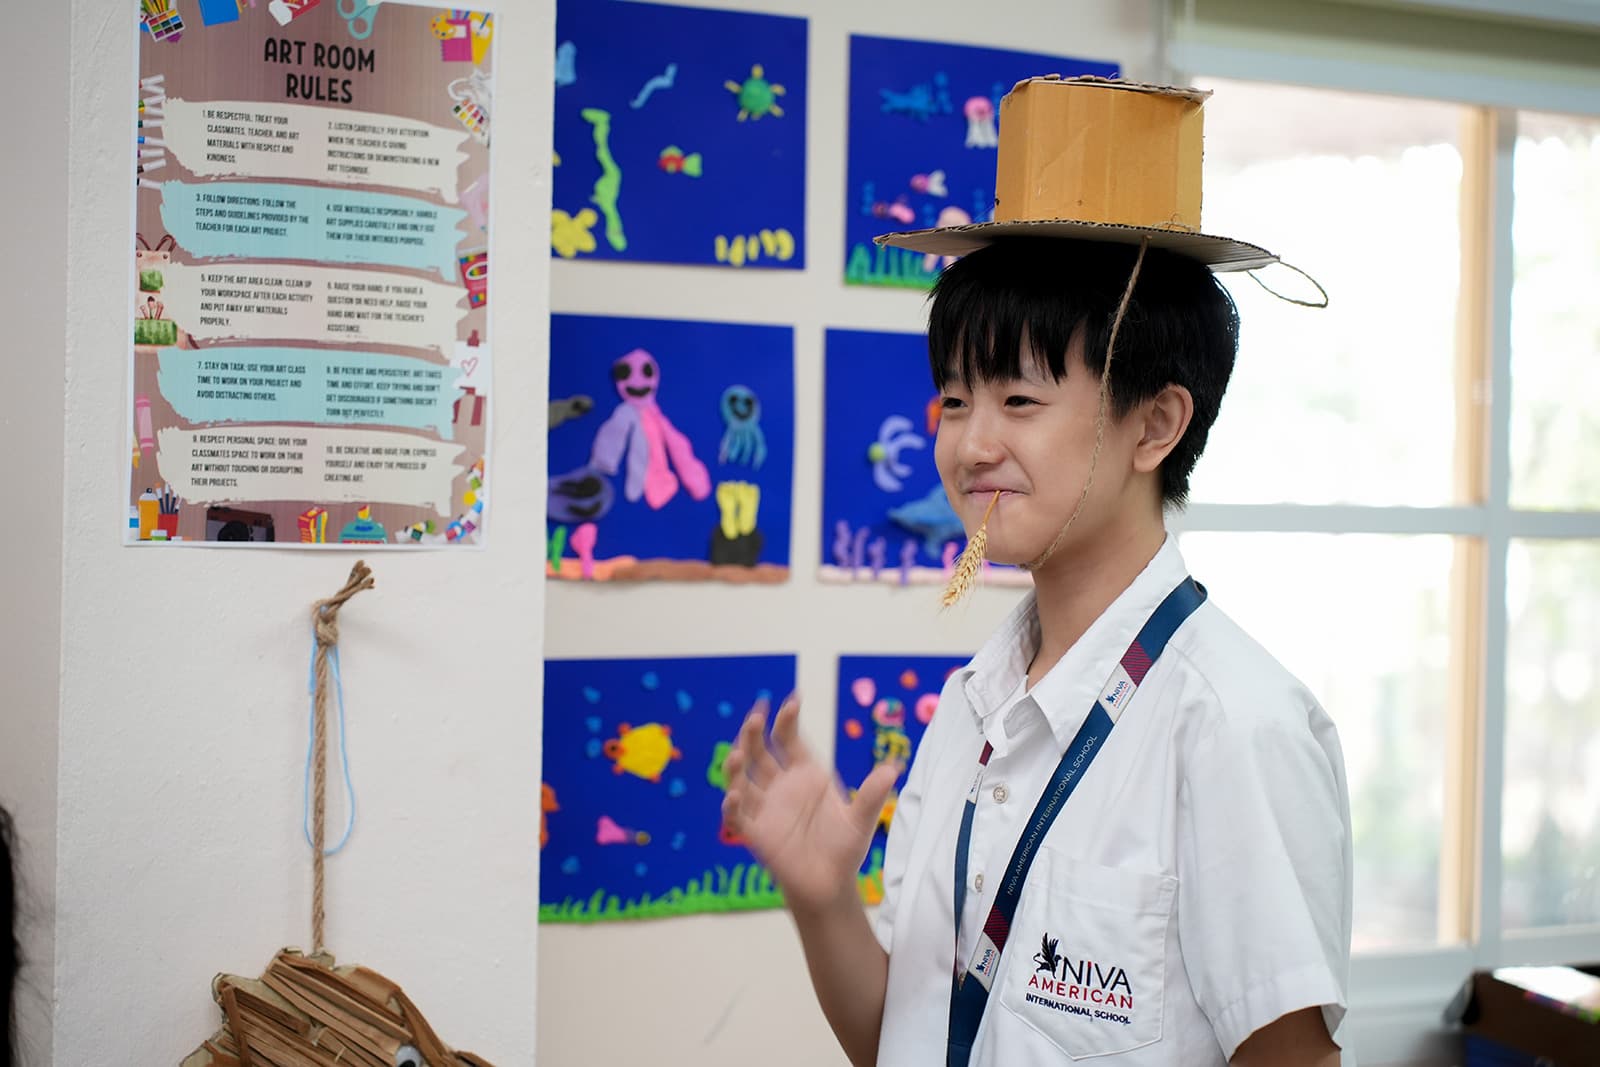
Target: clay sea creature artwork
x=981 y=131
x=920 y=102
x=930 y=184
x=932 y=519
x=673 y=160
x=643 y=751
x=305 y=1012
x=659 y=457
x=743 y=441
x=757 y=96
x=894 y=437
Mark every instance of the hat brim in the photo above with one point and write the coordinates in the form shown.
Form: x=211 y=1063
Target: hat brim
x=1218 y=253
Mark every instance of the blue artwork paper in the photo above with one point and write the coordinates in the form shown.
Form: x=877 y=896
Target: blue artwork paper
x=671 y=449
x=632 y=790
x=881 y=416
x=922 y=144
x=885 y=515
x=679 y=135
x=885 y=705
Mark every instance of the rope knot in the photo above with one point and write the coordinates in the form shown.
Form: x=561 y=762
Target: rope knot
x=326 y=624
x=325 y=613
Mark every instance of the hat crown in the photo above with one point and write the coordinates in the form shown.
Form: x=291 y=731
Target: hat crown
x=1100 y=151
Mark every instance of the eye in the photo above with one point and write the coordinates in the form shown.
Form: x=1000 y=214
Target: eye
x=406 y=1056
x=648 y=370
x=619 y=371
x=951 y=403
x=1017 y=400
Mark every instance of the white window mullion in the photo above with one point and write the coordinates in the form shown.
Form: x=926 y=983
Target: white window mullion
x=1560 y=525
x=1465 y=521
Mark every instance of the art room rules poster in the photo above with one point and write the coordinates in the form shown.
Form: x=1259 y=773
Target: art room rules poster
x=311 y=357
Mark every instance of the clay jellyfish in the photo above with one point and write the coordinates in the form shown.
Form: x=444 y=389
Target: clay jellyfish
x=743 y=441
x=981 y=132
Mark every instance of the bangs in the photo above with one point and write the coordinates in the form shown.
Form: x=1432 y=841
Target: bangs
x=1016 y=305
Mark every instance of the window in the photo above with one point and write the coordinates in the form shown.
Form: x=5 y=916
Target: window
x=1550 y=824
x=1349 y=405
x=1555 y=313
x=1422 y=552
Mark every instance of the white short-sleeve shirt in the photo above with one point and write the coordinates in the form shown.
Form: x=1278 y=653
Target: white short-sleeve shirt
x=1196 y=886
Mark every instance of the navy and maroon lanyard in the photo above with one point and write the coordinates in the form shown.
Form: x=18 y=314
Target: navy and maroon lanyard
x=968 y=998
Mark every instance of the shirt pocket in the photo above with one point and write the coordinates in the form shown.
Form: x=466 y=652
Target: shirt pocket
x=1087 y=955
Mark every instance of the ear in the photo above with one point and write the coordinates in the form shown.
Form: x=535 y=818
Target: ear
x=1165 y=418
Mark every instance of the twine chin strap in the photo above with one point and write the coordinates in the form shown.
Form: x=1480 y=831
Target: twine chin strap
x=325 y=625
x=1105 y=405
x=1289 y=299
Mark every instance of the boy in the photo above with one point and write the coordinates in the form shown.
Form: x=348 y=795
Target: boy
x=1189 y=905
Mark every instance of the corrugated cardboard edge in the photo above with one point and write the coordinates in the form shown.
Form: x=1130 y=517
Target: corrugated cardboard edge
x=1198 y=96
x=1218 y=253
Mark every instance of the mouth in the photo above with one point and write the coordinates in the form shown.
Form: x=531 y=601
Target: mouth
x=638 y=391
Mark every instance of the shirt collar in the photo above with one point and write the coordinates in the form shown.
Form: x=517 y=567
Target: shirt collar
x=1065 y=693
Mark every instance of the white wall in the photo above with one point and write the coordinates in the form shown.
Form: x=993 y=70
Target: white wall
x=31 y=379
x=732 y=989
x=182 y=697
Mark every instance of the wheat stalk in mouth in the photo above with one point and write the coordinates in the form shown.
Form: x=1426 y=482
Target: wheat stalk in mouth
x=970 y=562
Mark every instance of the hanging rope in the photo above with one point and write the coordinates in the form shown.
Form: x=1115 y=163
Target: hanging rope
x=325 y=625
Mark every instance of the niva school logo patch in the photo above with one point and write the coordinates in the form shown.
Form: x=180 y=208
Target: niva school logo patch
x=1091 y=988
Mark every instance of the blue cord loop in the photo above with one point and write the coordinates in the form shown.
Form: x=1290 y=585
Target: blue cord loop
x=344 y=752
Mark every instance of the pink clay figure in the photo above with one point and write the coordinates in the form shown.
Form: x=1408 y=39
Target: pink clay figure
x=639 y=431
x=582 y=542
x=981 y=130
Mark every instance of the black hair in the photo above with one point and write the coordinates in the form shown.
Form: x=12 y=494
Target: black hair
x=10 y=950
x=1181 y=327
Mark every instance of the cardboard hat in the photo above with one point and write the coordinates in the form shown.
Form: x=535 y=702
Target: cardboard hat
x=1097 y=160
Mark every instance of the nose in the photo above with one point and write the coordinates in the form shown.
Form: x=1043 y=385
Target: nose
x=978 y=443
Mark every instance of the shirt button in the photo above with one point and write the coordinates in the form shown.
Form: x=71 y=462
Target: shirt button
x=977 y=883
x=1000 y=794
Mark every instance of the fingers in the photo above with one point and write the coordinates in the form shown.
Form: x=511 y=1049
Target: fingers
x=873 y=794
x=752 y=764
x=791 y=750
x=742 y=801
x=755 y=758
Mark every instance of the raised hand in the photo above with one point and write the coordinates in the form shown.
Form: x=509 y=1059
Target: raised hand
x=793 y=815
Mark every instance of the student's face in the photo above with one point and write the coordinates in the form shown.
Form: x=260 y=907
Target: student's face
x=1031 y=439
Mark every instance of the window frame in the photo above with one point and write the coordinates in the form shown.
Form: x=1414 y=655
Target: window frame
x=1397 y=996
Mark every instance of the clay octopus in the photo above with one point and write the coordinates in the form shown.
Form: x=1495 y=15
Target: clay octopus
x=640 y=432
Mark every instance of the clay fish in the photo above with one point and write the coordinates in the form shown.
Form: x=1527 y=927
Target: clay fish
x=674 y=161
x=932 y=519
